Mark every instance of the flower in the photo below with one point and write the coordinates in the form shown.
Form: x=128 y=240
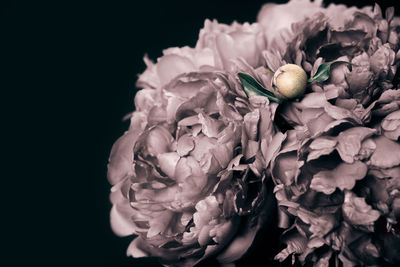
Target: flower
x=318 y=39
x=337 y=169
x=229 y=42
x=192 y=167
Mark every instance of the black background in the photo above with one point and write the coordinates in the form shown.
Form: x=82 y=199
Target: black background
x=69 y=71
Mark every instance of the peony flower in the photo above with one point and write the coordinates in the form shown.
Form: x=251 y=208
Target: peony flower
x=359 y=40
x=337 y=168
x=337 y=177
x=230 y=42
x=190 y=175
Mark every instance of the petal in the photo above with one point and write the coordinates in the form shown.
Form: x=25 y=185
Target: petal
x=203 y=145
x=349 y=142
x=344 y=176
x=269 y=150
x=168 y=162
x=185 y=145
x=386 y=154
x=159 y=223
x=321 y=146
x=170 y=66
x=251 y=124
x=135 y=249
x=121 y=157
x=391 y=125
x=158 y=141
x=186 y=167
x=357 y=211
x=210 y=126
x=120 y=220
x=283 y=167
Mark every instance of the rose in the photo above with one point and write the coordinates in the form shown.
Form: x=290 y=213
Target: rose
x=230 y=42
x=183 y=171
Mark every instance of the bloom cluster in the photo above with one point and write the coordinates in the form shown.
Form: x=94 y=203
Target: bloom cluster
x=204 y=164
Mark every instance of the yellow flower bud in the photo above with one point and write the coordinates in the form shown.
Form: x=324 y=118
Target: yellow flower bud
x=289 y=81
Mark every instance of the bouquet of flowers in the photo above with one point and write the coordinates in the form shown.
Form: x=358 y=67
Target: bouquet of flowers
x=296 y=116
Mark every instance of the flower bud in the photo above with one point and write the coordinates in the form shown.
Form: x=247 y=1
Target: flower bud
x=289 y=81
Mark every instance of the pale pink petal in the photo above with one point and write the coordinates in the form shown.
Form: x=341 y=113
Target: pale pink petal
x=349 y=142
x=168 y=162
x=134 y=249
x=386 y=154
x=170 y=66
x=185 y=145
x=120 y=220
x=344 y=176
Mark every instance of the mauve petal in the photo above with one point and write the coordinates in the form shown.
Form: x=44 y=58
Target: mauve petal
x=309 y=114
x=391 y=121
x=321 y=146
x=283 y=167
x=269 y=150
x=144 y=99
x=247 y=44
x=189 y=121
x=317 y=125
x=357 y=211
x=158 y=141
x=227 y=111
x=210 y=127
x=209 y=164
x=170 y=66
x=203 y=144
x=185 y=145
x=204 y=235
x=382 y=59
x=168 y=162
x=173 y=104
x=314 y=100
x=223 y=154
x=252 y=147
x=135 y=249
x=186 y=167
x=386 y=154
x=251 y=124
x=349 y=142
x=273 y=60
x=391 y=125
x=344 y=176
x=340 y=113
x=393 y=173
x=186 y=89
x=159 y=223
x=121 y=157
x=157 y=115
x=367 y=148
x=322 y=142
x=120 y=220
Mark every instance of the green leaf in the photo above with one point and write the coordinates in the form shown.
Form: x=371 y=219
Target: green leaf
x=324 y=71
x=252 y=87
